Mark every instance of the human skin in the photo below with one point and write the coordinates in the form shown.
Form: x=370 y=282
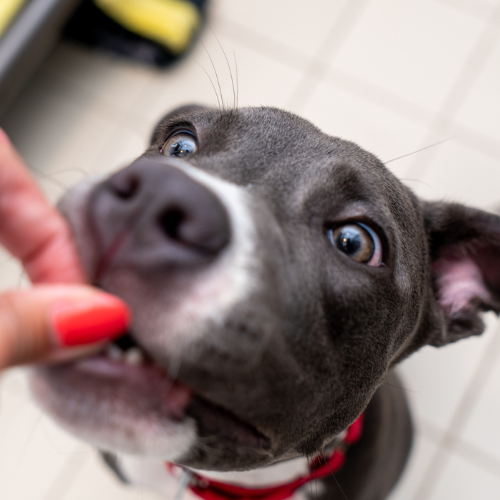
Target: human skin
x=44 y=322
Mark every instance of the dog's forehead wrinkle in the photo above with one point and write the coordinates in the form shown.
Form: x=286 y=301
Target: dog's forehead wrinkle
x=269 y=130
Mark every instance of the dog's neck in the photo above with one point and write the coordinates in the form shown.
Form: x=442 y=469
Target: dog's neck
x=282 y=480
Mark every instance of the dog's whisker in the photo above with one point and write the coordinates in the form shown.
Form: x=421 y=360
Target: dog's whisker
x=419 y=150
x=237 y=81
x=417 y=180
x=311 y=483
x=26 y=444
x=216 y=74
x=229 y=67
x=49 y=178
x=211 y=81
x=315 y=483
x=85 y=174
x=402 y=388
x=335 y=479
x=207 y=447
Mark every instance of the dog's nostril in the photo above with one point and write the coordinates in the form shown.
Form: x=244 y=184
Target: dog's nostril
x=125 y=187
x=171 y=221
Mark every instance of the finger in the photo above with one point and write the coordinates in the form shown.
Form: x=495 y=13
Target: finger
x=37 y=323
x=31 y=229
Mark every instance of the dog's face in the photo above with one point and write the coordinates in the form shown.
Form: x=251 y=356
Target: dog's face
x=274 y=275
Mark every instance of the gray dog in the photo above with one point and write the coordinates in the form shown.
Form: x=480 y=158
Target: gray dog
x=276 y=275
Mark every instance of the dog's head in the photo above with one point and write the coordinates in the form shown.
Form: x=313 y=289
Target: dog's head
x=274 y=274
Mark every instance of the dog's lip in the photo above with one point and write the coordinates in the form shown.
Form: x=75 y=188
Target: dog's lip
x=116 y=374
x=178 y=400
x=219 y=421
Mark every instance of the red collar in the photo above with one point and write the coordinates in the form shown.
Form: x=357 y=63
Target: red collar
x=324 y=465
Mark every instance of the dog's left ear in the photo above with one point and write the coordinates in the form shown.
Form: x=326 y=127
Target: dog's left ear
x=464 y=245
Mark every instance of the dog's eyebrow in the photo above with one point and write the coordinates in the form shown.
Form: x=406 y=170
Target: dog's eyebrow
x=168 y=125
x=178 y=123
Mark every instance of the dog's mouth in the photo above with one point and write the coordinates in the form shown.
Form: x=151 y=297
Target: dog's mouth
x=124 y=379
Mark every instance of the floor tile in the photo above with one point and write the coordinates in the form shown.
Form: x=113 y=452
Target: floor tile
x=13 y=399
x=86 y=113
x=472 y=452
x=421 y=454
x=12 y=275
x=374 y=127
x=62 y=132
x=257 y=80
x=461 y=480
x=96 y=481
x=27 y=452
x=462 y=174
x=414 y=49
x=480 y=8
x=283 y=21
x=481 y=110
x=481 y=429
x=436 y=378
x=110 y=80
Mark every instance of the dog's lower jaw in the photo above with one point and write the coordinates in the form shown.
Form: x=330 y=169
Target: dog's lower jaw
x=113 y=424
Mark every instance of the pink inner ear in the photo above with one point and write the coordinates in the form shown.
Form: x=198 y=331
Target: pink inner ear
x=459 y=281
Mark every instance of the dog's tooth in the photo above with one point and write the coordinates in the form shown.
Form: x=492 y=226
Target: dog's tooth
x=114 y=352
x=134 y=356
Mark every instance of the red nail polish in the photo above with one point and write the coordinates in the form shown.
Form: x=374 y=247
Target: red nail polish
x=102 y=318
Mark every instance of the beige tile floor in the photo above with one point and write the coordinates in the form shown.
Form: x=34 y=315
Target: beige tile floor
x=394 y=76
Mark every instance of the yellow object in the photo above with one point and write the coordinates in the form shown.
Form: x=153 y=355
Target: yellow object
x=169 y=22
x=8 y=9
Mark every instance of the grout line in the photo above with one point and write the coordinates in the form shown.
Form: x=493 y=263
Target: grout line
x=262 y=44
x=480 y=142
x=477 y=456
x=430 y=431
x=364 y=90
x=476 y=61
x=372 y=93
x=461 y=415
x=460 y=447
x=375 y=94
x=317 y=69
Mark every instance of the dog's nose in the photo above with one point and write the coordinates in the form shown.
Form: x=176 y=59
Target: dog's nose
x=153 y=214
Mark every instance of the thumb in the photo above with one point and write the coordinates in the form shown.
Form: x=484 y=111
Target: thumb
x=35 y=324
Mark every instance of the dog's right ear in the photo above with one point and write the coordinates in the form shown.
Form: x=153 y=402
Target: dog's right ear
x=464 y=245
x=183 y=112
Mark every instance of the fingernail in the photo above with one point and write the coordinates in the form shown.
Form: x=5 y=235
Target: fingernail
x=100 y=318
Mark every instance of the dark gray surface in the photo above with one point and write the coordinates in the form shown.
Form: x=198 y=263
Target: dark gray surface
x=26 y=43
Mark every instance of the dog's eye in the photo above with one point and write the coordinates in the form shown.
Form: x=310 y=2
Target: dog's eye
x=358 y=242
x=180 y=144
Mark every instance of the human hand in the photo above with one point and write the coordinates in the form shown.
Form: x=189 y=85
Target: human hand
x=60 y=310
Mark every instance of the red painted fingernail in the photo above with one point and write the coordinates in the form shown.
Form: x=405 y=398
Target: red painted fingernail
x=101 y=318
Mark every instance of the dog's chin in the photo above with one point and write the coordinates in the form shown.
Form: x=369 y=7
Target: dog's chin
x=130 y=405
x=118 y=407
